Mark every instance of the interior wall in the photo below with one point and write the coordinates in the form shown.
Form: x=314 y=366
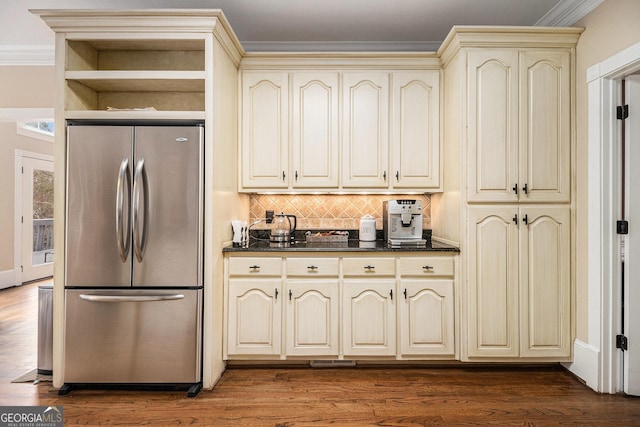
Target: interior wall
x=609 y=29
x=21 y=87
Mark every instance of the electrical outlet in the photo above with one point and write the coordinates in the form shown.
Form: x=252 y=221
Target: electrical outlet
x=269 y=216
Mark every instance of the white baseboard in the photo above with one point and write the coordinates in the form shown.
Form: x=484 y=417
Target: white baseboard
x=585 y=363
x=7 y=279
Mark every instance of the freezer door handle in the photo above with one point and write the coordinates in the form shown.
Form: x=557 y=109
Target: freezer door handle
x=140 y=180
x=122 y=236
x=130 y=298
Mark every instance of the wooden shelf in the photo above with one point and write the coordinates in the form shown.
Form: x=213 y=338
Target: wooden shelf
x=134 y=115
x=139 y=81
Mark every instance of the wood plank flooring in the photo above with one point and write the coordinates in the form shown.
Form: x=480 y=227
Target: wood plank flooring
x=524 y=396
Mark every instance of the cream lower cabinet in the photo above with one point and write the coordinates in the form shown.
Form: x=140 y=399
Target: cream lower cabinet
x=426 y=306
x=254 y=324
x=518 y=297
x=312 y=313
x=369 y=307
x=336 y=307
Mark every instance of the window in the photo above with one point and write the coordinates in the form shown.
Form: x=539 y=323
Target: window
x=39 y=129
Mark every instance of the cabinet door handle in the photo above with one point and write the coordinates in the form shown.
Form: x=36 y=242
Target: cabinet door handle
x=526 y=219
x=398 y=176
x=276 y=293
x=515 y=188
x=290 y=294
x=296 y=175
x=384 y=175
x=283 y=175
x=526 y=191
x=391 y=294
x=405 y=293
x=369 y=268
x=427 y=267
x=515 y=219
x=254 y=267
x=312 y=267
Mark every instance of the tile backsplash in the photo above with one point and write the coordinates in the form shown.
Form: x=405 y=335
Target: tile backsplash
x=330 y=212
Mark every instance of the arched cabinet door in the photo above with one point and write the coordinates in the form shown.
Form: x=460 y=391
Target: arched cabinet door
x=492 y=301
x=254 y=318
x=265 y=130
x=545 y=287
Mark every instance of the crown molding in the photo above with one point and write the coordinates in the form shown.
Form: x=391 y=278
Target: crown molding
x=567 y=12
x=27 y=55
x=347 y=46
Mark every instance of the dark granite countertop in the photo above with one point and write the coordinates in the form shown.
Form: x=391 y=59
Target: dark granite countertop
x=259 y=242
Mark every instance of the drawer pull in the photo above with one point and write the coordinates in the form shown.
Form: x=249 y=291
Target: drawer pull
x=312 y=267
x=427 y=267
x=369 y=267
x=254 y=267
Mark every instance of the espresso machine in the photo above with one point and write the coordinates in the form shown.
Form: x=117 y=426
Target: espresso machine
x=402 y=223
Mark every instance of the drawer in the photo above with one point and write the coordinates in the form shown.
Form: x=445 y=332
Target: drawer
x=314 y=267
x=426 y=266
x=240 y=266
x=369 y=267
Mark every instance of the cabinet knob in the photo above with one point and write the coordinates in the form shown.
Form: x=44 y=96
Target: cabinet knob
x=515 y=219
x=427 y=267
x=312 y=267
x=254 y=267
x=525 y=189
x=515 y=188
x=369 y=267
x=525 y=219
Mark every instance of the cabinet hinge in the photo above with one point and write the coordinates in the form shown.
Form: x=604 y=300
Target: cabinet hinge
x=622 y=112
x=622 y=227
x=622 y=342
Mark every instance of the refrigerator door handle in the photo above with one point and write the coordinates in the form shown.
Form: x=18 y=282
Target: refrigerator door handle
x=130 y=298
x=140 y=180
x=123 y=239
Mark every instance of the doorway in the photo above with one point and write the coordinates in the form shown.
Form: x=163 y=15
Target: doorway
x=34 y=216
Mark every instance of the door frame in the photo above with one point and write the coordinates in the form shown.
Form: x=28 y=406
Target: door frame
x=18 y=199
x=598 y=361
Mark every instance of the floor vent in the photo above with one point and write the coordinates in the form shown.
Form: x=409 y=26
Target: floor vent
x=332 y=363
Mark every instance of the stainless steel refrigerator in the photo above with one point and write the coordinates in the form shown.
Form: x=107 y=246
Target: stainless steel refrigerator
x=133 y=273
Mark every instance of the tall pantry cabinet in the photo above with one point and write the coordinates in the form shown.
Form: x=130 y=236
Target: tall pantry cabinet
x=150 y=66
x=508 y=178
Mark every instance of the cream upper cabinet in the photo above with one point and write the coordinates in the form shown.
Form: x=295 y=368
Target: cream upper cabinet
x=415 y=133
x=265 y=130
x=519 y=282
x=365 y=138
x=492 y=125
x=519 y=125
x=315 y=130
x=545 y=129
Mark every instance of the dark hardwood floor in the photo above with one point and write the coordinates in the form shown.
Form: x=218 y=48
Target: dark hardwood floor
x=538 y=396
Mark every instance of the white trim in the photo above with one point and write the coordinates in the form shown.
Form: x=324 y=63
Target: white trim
x=567 y=12
x=604 y=187
x=7 y=279
x=585 y=363
x=22 y=114
x=17 y=223
x=27 y=55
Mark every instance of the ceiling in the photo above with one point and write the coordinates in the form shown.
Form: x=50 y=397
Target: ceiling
x=294 y=25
